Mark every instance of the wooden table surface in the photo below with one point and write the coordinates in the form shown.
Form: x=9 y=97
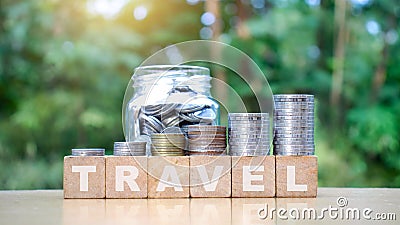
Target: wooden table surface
x=49 y=207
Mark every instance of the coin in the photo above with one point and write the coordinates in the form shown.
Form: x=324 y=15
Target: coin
x=88 y=152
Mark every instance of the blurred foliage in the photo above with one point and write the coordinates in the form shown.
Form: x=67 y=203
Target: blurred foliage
x=64 y=69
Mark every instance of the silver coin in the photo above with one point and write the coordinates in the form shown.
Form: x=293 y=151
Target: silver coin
x=294 y=114
x=244 y=125
x=247 y=129
x=129 y=144
x=248 y=114
x=293 y=123
x=288 y=97
x=256 y=135
x=294 y=139
x=297 y=107
x=306 y=117
x=168 y=108
x=298 y=134
x=279 y=148
x=298 y=104
x=250 y=128
x=249 y=144
x=248 y=119
x=293 y=109
x=248 y=154
x=292 y=129
x=189 y=117
x=118 y=153
x=205 y=114
x=235 y=134
x=151 y=109
x=248 y=139
x=248 y=125
x=153 y=122
x=248 y=147
x=280 y=142
x=293 y=126
x=294 y=153
x=88 y=151
x=241 y=139
x=294 y=136
x=188 y=108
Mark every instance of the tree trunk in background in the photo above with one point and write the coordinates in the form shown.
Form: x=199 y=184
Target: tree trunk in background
x=380 y=75
x=213 y=6
x=338 y=61
x=241 y=28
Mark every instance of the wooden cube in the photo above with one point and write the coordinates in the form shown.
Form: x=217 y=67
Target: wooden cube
x=126 y=177
x=253 y=211
x=210 y=176
x=169 y=211
x=168 y=177
x=296 y=176
x=253 y=176
x=84 y=177
x=210 y=211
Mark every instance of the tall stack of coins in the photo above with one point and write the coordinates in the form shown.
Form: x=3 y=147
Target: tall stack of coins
x=168 y=144
x=88 y=152
x=248 y=134
x=206 y=140
x=134 y=148
x=294 y=124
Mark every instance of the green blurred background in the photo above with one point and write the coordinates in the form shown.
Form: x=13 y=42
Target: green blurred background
x=64 y=67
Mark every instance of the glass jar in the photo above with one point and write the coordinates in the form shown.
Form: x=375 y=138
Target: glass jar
x=168 y=98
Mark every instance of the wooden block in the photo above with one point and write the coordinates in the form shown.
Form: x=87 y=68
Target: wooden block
x=84 y=177
x=210 y=176
x=126 y=177
x=253 y=176
x=296 y=176
x=210 y=211
x=168 y=177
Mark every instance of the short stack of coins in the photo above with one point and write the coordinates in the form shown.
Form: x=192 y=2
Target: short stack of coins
x=168 y=144
x=206 y=140
x=133 y=148
x=248 y=134
x=294 y=124
x=88 y=152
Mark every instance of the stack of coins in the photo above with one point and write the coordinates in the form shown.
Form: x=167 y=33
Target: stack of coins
x=134 y=148
x=294 y=124
x=168 y=144
x=248 y=134
x=206 y=140
x=88 y=152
